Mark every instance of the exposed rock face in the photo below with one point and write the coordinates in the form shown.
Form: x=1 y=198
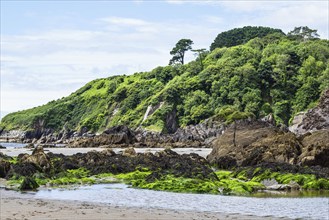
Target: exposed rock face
x=118 y=135
x=39 y=158
x=129 y=152
x=171 y=123
x=315 y=149
x=199 y=135
x=256 y=142
x=314 y=119
x=151 y=109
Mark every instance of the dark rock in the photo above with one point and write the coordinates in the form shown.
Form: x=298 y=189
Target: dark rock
x=23 y=169
x=39 y=158
x=225 y=162
x=30 y=146
x=28 y=184
x=118 y=135
x=315 y=149
x=129 y=152
x=4 y=168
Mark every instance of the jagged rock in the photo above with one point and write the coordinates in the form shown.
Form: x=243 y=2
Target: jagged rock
x=108 y=152
x=314 y=119
x=38 y=158
x=315 y=149
x=117 y=135
x=30 y=146
x=199 y=135
x=129 y=152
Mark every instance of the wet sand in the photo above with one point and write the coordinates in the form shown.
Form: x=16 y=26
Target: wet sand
x=15 y=205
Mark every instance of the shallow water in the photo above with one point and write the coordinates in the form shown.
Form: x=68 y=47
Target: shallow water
x=12 y=145
x=122 y=195
x=14 y=149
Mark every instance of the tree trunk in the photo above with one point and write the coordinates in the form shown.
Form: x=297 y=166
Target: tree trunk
x=234 y=133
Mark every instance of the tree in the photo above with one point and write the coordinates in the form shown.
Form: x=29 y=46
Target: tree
x=202 y=53
x=179 y=50
x=303 y=33
x=239 y=36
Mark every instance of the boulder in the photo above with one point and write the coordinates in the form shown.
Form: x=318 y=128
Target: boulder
x=4 y=168
x=38 y=158
x=129 y=152
x=315 y=149
x=256 y=142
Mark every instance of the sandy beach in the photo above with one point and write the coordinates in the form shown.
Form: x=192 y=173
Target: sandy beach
x=23 y=206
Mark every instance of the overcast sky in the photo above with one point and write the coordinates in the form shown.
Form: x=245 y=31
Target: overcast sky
x=49 y=49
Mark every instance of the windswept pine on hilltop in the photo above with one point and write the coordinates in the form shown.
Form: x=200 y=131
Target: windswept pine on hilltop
x=272 y=74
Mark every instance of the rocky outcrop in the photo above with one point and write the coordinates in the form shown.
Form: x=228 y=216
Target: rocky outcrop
x=260 y=142
x=256 y=142
x=199 y=135
x=120 y=136
x=4 y=168
x=314 y=119
x=39 y=158
x=160 y=163
x=315 y=149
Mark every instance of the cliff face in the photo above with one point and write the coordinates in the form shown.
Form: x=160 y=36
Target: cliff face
x=314 y=119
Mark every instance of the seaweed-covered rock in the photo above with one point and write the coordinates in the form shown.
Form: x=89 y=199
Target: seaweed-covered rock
x=39 y=158
x=28 y=184
x=4 y=168
x=23 y=169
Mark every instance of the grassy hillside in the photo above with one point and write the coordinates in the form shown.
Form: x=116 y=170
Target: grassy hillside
x=272 y=74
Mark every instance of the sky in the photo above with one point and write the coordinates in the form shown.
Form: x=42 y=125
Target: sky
x=49 y=49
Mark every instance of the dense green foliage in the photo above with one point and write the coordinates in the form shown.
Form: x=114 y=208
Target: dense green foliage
x=238 y=36
x=273 y=74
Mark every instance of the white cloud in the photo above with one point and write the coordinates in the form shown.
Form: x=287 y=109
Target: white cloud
x=125 y=21
x=47 y=65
